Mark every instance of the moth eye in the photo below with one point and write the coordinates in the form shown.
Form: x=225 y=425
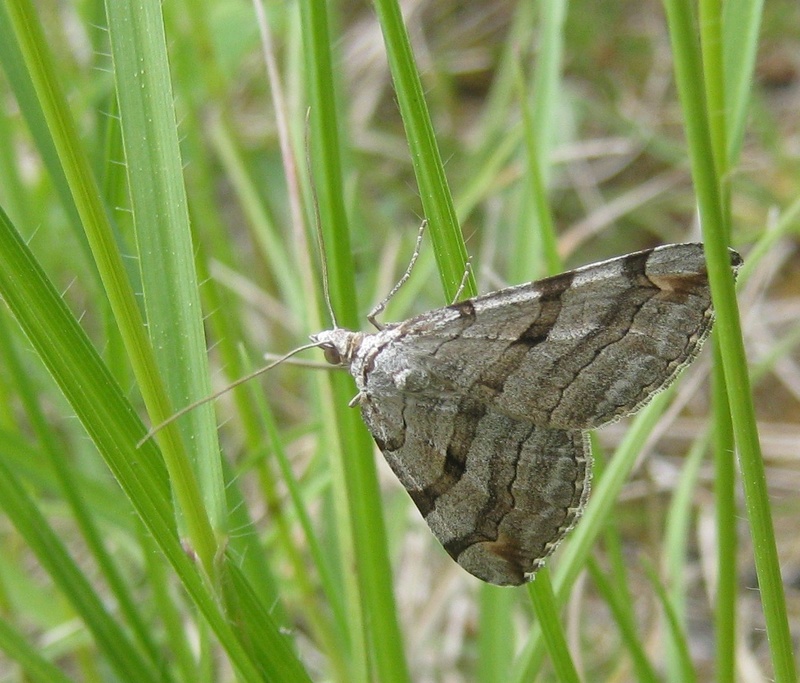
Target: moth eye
x=332 y=355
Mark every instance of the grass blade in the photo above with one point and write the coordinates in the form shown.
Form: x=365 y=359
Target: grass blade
x=437 y=202
x=729 y=334
x=379 y=617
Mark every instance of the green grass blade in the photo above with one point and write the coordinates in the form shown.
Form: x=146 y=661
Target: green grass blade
x=75 y=493
x=729 y=335
x=36 y=668
x=679 y=637
x=741 y=21
x=725 y=612
x=379 y=612
x=547 y=614
x=620 y=607
x=105 y=414
x=437 y=202
x=269 y=647
x=717 y=43
x=169 y=281
x=496 y=636
x=94 y=217
x=49 y=550
x=547 y=78
x=536 y=167
x=14 y=67
x=676 y=539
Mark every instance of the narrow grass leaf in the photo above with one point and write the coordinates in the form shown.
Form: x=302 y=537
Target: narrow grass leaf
x=381 y=640
x=679 y=637
x=548 y=616
x=620 y=608
x=740 y=32
x=169 y=281
x=51 y=553
x=728 y=330
x=104 y=412
x=437 y=202
x=29 y=658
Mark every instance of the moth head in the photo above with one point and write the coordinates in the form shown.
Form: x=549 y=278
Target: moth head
x=338 y=345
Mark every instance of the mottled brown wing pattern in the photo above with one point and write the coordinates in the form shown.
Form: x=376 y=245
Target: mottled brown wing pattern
x=480 y=407
x=498 y=493
x=576 y=350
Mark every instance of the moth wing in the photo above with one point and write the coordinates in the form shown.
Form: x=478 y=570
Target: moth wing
x=574 y=351
x=498 y=493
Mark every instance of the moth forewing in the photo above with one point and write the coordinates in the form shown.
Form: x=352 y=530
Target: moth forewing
x=481 y=407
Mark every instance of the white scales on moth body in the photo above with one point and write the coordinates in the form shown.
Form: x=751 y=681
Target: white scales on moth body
x=481 y=407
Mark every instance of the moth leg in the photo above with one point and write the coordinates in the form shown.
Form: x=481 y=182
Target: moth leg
x=382 y=304
x=464 y=278
x=356 y=399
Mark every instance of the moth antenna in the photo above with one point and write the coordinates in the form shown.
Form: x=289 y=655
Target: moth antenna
x=298 y=363
x=382 y=304
x=155 y=430
x=326 y=292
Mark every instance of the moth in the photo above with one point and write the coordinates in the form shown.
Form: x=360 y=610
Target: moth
x=481 y=408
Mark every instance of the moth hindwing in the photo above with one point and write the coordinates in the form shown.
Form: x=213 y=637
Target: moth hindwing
x=481 y=407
